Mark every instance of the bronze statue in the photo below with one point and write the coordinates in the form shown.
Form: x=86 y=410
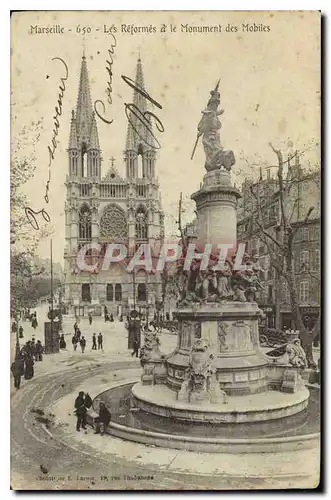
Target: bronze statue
x=208 y=128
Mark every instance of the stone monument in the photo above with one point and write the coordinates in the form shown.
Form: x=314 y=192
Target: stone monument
x=218 y=373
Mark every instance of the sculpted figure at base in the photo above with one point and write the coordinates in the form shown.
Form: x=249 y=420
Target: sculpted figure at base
x=296 y=354
x=152 y=360
x=200 y=384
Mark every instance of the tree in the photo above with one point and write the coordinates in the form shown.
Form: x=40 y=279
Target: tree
x=280 y=242
x=23 y=240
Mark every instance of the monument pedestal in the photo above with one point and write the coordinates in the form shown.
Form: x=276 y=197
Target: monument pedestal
x=216 y=203
x=230 y=330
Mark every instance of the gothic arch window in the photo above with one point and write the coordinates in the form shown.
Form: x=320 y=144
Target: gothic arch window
x=113 y=224
x=86 y=293
x=110 y=293
x=142 y=292
x=141 y=224
x=118 y=292
x=140 y=162
x=140 y=168
x=84 y=160
x=85 y=223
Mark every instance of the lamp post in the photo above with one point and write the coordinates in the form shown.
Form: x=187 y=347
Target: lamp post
x=134 y=289
x=17 y=347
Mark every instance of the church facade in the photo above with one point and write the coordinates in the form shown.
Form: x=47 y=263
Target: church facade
x=111 y=208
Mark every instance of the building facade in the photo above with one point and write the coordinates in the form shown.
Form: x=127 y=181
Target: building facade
x=111 y=208
x=303 y=192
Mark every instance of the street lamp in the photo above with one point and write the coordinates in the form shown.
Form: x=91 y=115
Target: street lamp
x=17 y=347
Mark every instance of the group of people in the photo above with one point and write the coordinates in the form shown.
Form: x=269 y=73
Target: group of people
x=23 y=365
x=97 y=343
x=78 y=339
x=108 y=317
x=94 y=341
x=83 y=403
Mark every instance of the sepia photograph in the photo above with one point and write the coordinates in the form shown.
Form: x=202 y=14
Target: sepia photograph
x=165 y=248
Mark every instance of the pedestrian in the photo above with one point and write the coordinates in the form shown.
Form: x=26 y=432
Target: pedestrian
x=39 y=351
x=34 y=322
x=28 y=370
x=74 y=341
x=33 y=349
x=20 y=332
x=106 y=314
x=100 y=341
x=17 y=369
x=75 y=326
x=14 y=327
x=82 y=343
x=80 y=410
x=63 y=343
x=111 y=317
x=153 y=324
x=102 y=421
x=26 y=349
x=121 y=318
x=94 y=340
x=90 y=318
x=78 y=334
x=136 y=342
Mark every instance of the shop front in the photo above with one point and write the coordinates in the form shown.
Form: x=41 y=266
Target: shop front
x=270 y=315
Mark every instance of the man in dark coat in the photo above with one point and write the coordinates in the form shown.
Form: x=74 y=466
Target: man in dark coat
x=34 y=321
x=17 y=369
x=100 y=341
x=94 y=344
x=63 y=343
x=83 y=343
x=74 y=341
x=33 y=349
x=26 y=349
x=80 y=410
x=90 y=318
x=21 y=332
x=29 y=370
x=103 y=419
x=136 y=337
x=39 y=351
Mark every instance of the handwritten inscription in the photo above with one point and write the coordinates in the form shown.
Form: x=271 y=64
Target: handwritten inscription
x=31 y=214
x=143 y=116
x=109 y=89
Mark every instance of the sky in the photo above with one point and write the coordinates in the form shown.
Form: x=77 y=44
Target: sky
x=269 y=86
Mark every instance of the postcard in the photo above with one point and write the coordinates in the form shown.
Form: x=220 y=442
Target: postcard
x=165 y=250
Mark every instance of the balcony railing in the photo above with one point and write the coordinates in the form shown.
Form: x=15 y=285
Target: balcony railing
x=85 y=190
x=113 y=190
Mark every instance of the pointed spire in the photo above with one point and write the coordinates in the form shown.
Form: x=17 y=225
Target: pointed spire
x=73 y=143
x=134 y=139
x=84 y=104
x=94 y=138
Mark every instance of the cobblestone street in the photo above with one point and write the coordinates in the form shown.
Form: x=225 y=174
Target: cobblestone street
x=56 y=457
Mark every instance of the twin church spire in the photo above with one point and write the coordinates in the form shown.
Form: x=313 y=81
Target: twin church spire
x=84 y=149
